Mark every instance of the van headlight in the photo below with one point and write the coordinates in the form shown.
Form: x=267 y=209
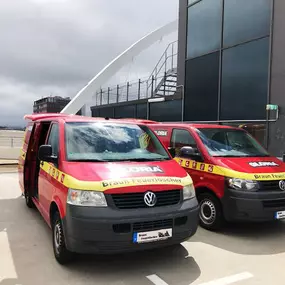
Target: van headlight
x=188 y=192
x=86 y=198
x=241 y=184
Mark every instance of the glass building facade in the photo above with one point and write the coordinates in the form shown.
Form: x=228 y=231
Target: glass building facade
x=227 y=59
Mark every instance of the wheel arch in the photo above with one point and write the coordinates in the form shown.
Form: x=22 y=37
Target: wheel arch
x=55 y=206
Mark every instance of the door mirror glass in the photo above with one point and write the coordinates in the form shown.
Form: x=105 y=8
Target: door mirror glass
x=45 y=154
x=190 y=153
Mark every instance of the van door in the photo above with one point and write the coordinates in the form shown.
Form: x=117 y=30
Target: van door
x=22 y=158
x=46 y=180
x=181 y=138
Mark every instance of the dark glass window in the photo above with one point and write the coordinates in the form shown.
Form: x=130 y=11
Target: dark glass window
x=125 y=111
x=95 y=112
x=201 y=88
x=245 y=81
x=193 y=1
x=182 y=138
x=53 y=139
x=204 y=27
x=107 y=112
x=245 y=20
x=168 y=111
x=141 y=111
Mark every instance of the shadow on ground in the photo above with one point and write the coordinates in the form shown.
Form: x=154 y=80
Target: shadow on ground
x=247 y=238
x=31 y=248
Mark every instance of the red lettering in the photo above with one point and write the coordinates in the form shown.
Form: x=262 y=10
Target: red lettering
x=187 y=163
x=202 y=167
x=194 y=164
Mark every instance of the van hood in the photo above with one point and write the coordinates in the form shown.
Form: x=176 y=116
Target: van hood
x=97 y=171
x=252 y=164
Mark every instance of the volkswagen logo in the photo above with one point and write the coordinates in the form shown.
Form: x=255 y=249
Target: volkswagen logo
x=150 y=199
x=282 y=185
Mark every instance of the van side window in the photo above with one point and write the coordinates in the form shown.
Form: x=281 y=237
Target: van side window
x=182 y=138
x=53 y=139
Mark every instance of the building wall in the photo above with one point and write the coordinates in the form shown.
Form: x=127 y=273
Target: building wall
x=159 y=111
x=277 y=130
x=182 y=32
x=226 y=61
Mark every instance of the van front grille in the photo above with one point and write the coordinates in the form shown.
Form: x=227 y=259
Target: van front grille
x=272 y=185
x=136 y=200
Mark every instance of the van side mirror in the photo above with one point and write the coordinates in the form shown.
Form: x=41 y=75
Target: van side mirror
x=172 y=151
x=45 y=154
x=190 y=153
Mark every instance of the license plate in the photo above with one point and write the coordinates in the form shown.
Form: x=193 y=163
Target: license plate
x=280 y=215
x=152 y=236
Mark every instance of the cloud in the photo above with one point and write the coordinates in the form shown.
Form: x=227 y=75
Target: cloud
x=57 y=46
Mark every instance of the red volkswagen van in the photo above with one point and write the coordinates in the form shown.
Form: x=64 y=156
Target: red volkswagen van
x=104 y=186
x=235 y=178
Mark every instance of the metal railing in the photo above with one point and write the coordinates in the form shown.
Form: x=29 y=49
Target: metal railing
x=166 y=64
x=11 y=142
x=152 y=86
x=130 y=91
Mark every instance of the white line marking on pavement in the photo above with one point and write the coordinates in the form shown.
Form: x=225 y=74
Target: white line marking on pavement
x=222 y=281
x=230 y=279
x=156 y=280
x=7 y=268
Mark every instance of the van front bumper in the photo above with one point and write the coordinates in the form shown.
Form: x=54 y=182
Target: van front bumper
x=107 y=230
x=252 y=206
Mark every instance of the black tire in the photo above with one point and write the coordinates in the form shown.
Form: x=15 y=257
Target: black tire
x=29 y=202
x=211 y=212
x=61 y=253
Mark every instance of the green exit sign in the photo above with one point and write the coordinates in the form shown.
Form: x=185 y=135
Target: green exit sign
x=271 y=107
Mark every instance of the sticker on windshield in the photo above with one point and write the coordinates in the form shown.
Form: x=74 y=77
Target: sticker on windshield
x=263 y=164
x=144 y=140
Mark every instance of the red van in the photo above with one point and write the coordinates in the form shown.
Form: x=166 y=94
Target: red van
x=104 y=186
x=235 y=178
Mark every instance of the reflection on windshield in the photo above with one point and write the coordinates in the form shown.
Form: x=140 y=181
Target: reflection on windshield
x=230 y=143
x=104 y=142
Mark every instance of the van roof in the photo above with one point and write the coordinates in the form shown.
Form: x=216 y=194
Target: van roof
x=198 y=126
x=176 y=124
x=73 y=118
x=76 y=118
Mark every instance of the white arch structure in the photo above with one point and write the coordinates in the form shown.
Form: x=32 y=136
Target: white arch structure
x=86 y=93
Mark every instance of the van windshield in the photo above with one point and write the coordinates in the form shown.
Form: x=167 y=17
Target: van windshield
x=112 y=142
x=230 y=143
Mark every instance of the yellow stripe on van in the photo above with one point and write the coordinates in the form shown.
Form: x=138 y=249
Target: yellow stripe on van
x=226 y=172
x=71 y=182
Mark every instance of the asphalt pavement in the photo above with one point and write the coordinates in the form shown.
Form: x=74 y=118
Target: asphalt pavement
x=245 y=254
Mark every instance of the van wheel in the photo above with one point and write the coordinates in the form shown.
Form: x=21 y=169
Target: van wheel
x=211 y=214
x=62 y=255
x=29 y=201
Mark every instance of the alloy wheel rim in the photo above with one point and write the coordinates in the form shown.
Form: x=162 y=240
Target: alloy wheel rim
x=57 y=237
x=208 y=212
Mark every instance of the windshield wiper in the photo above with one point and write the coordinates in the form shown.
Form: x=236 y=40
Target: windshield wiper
x=143 y=159
x=258 y=155
x=88 y=160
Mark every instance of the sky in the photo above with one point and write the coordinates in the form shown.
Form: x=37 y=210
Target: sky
x=54 y=47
